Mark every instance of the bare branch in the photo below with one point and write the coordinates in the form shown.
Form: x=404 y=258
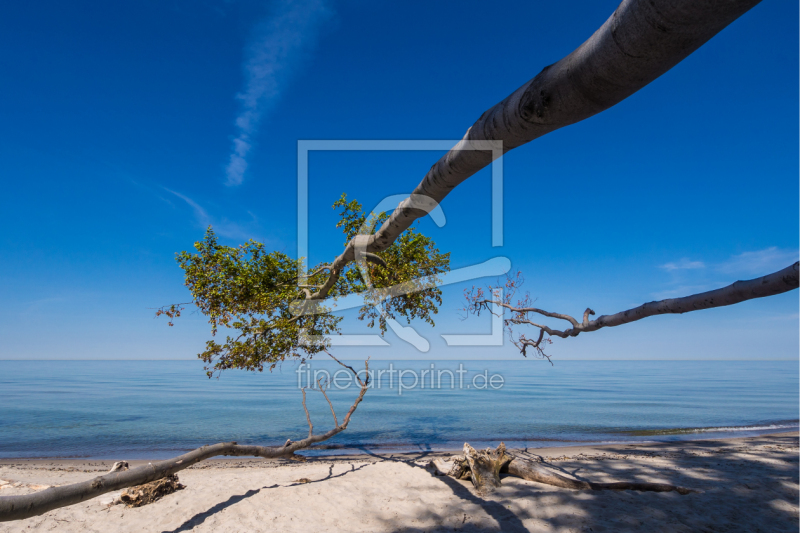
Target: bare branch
x=322 y=390
x=784 y=280
x=320 y=269
x=308 y=417
x=523 y=310
x=586 y=316
x=366 y=366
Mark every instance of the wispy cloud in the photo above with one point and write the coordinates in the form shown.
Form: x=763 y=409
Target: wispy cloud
x=279 y=45
x=223 y=227
x=683 y=264
x=760 y=262
x=199 y=213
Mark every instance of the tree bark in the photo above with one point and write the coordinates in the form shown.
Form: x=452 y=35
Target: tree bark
x=641 y=40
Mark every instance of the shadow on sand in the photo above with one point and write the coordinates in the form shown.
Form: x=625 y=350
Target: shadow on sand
x=747 y=485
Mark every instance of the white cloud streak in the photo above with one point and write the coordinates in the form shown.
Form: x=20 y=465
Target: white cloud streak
x=223 y=227
x=279 y=45
x=200 y=214
x=683 y=264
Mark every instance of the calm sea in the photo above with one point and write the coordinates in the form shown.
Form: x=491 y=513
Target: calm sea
x=155 y=409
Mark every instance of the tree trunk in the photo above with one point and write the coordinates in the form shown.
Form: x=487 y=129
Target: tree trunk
x=641 y=40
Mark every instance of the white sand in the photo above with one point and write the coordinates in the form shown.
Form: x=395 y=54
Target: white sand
x=747 y=485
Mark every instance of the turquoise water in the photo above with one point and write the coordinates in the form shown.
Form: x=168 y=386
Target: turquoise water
x=155 y=409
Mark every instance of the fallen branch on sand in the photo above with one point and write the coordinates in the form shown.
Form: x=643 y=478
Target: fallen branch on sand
x=484 y=468
x=37 y=503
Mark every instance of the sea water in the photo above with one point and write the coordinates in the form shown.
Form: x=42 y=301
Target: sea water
x=157 y=409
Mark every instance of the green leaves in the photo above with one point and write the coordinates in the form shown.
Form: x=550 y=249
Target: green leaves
x=248 y=291
x=413 y=256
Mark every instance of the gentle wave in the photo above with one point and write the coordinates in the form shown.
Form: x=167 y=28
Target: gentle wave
x=777 y=426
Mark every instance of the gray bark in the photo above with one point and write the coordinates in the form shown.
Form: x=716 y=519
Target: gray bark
x=641 y=40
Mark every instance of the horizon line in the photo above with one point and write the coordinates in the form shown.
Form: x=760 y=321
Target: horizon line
x=455 y=359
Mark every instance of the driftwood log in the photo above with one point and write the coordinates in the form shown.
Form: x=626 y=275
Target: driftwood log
x=485 y=466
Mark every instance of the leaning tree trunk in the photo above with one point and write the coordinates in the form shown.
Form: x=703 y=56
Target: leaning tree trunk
x=484 y=468
x=641 y=40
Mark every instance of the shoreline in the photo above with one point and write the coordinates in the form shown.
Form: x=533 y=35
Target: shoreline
x=97 y=464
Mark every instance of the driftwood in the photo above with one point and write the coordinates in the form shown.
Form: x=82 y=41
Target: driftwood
x=37 y=503
x=150 y=492
x=484 y=468
x=119 y=466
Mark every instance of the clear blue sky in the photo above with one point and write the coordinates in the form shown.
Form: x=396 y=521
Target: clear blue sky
x=126 y=128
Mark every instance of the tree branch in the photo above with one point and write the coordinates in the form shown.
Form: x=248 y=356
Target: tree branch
x=27 y=505
x=322 y=390
x=308 y=417
x=784 y=280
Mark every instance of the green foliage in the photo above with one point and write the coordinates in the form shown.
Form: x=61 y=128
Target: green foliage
x=249 y=291
x=412 y=256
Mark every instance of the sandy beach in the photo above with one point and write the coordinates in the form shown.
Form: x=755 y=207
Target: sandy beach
x=744 y=484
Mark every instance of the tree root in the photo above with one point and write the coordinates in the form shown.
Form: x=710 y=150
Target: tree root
x=484 y=468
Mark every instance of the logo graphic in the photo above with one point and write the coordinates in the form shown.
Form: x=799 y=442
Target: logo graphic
x=493 y=267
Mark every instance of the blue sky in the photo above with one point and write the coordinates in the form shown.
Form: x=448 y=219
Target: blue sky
x=128 y=127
